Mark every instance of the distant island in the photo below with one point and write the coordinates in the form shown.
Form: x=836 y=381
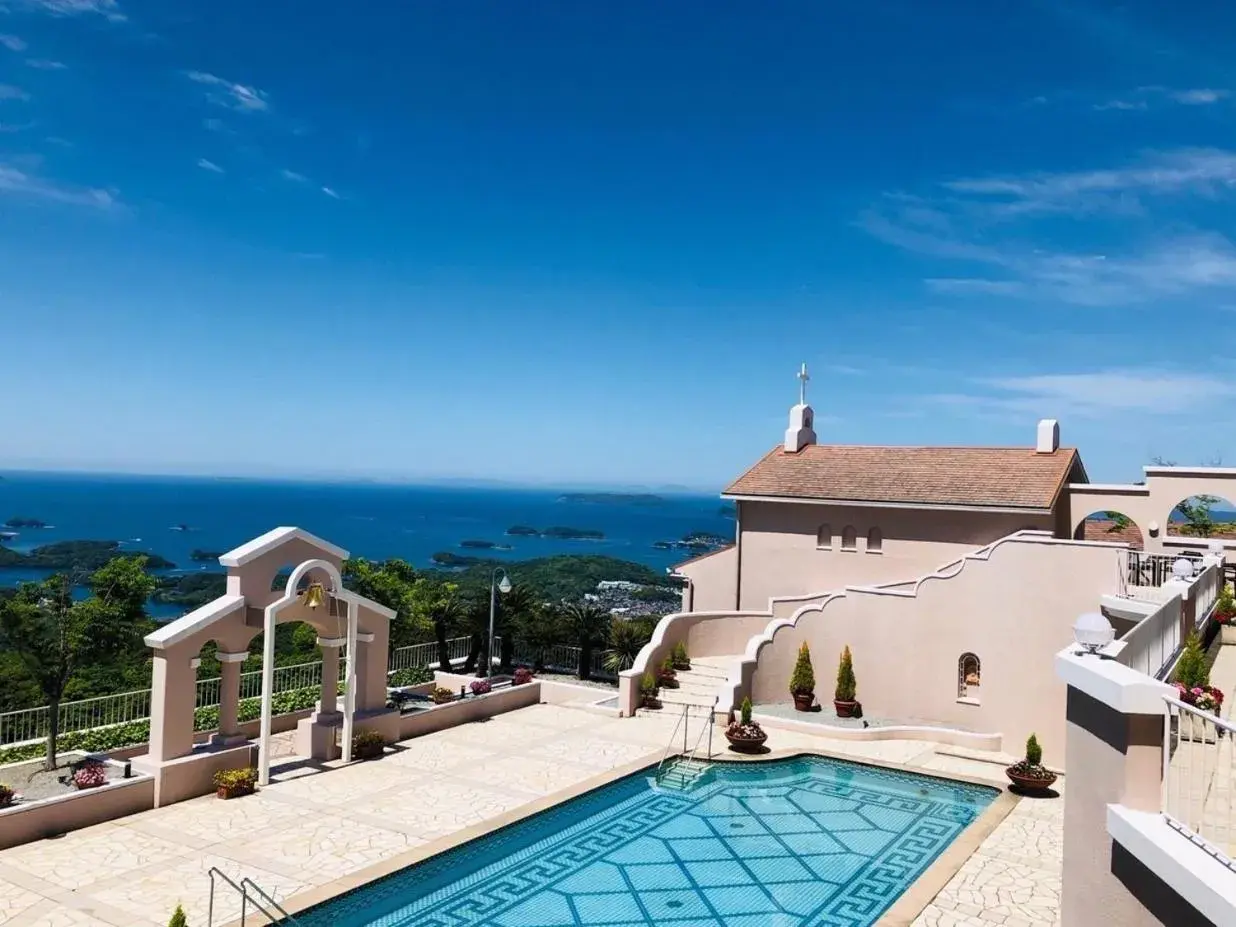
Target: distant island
x=205 y=556
x=77 y=555
x=613 y=498
x=729 y=510
x=484 y=545
x=557 y=532
x=696 y=542
x=448 y=559
x=25 y=523
x=181 y=527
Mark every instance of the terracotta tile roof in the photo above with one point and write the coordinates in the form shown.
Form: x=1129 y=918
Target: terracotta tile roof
x=970 y=476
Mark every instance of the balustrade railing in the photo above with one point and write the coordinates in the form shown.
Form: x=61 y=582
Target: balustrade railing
x=32 y=724
x=1199 y=778
x=1153 y=644
x=1155 y=569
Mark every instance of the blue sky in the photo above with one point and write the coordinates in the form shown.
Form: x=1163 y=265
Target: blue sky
x=592 y=242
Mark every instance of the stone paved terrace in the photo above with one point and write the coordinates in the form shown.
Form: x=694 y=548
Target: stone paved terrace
x=310 y=828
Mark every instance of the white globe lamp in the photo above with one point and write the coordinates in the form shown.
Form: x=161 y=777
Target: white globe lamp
x=1093 y=632
x=1215 y=547
x=1182 y=569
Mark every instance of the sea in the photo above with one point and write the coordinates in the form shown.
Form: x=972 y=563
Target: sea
x=173 y=516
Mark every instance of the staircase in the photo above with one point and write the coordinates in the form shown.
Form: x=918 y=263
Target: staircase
x=698 y=686
x=682 y=773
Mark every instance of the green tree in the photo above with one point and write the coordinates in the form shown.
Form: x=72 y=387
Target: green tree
x=53 y=635
x=538 y=630
x=178 y=918
x=590 y=627
x=626 y=640
x=446 y=611
x=1196 y=511
x=847 y=686
x=802 y=679
x=1191 y=671
x=516 y=609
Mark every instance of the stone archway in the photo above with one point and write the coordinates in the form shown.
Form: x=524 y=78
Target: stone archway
x=1202 y=517
x=1110 y=525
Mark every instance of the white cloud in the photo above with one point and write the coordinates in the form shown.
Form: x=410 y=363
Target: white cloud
x=240 y=97
x=109 y=9
x=12 y=43
x=19 y=183
x=1096 y=393
x=46 y=64
x=1121 y=105
x=9 y=92
x=1203 y=96
x=209 y=166
x=331 y=193
x=293 y=176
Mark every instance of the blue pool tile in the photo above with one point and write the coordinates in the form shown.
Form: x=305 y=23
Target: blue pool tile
x=867 y=842
x=749 y=847
x=789 y=823
x=699 y=848
x=641 y=850
x=810 y=844
x=726 y=872
x=814 y=802
x=547 y=909
x=599 y=877
x=771 y=804
x=657 y=875
x=838 y=868
x=685 y=825
x=801 y=897
x=738 y=825
x=664 y=907
x=608 y=909
x=739 y=900
x=779 y=869
x=841 y=820
x=781 y=919
x=891 y=819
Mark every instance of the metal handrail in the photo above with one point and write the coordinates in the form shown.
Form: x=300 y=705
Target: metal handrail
x=270 y=900
x=712 y=714
x=682 y=720
x=210 y=909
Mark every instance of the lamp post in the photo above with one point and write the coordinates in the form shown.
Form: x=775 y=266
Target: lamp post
x=1093 y=632
x=495 y=586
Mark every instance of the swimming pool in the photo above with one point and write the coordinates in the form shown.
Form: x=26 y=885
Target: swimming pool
x=785 y=843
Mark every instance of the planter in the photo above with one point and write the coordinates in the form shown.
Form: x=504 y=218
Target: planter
x=369 y=751
x=844 y=709
x=746 y=744
x=653 y=704
x=972 y=692
x=233 y=791
x=1195 y=730
x=803 y=701
x=667 y=682
x=1228 y=633
x=1030 y=783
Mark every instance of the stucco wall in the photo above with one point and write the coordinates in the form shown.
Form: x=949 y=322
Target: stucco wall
x=714 y=582
x=780 y=555
x=1014 y=610
x=37 y=820
x=452 y=714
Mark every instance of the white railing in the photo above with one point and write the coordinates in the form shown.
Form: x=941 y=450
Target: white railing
x=31 y=724
x=563 y=657
x=1156 y=569
x=1205 y=593
x=1153 y=644
x=1199 y=778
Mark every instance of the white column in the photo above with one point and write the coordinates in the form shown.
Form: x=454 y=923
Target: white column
x=349 y=695
x=268 y=694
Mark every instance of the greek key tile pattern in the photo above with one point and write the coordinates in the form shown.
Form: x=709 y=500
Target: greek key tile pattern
x=807 y=842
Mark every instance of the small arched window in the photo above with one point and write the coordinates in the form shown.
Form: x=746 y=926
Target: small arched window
x=849 y=538
x=969 y=676
x=875 y=541
x=824 y=537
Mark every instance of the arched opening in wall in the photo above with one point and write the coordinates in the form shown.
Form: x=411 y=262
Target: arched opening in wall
x=1110 y=526
x=1203 y=518
x=849 y=538
x=875 y=541
x=824 y=537
x=969 y=677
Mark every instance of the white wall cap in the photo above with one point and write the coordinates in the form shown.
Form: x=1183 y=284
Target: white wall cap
x=224 y=657
x=1112 y=683
x=1186 y=868
x=175 y=631
x=364 y=638
x=332 y=641
x=246 y=553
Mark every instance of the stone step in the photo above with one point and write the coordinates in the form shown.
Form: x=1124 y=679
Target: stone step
x=715 y=667
x=686 y=697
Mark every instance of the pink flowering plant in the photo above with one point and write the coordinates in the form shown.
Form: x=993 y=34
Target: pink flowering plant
x=1203 y=698
x=90 y=776
x=480 y=686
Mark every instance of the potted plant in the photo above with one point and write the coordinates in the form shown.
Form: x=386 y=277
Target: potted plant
x=480 y=686
x=802 y=680
x=745 y=735
x=7 y=796
x=367 y=745
x=843 y=695
x=1225 y=614
x=679 y=657
x=972 y=685
x=666 y=677
x=90 y=776
x=232 y=783
x=178 y=918
x=523 y=675
x=440 y=695
x=648 y=692
x=1029 y=774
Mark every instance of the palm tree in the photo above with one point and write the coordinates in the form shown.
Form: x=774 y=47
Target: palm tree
x=626 y=639
x=446 y=612
x=538 y=629
x=590 y=625
x=514 y=609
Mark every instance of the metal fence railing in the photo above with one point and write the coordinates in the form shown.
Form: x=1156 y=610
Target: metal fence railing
x=1156 y=569
x=1199 y=778
x=30 y=724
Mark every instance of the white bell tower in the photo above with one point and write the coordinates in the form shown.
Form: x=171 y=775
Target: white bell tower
x=802 y=420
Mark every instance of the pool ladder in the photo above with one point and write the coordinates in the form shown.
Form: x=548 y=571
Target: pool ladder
x=250 y=894
x=684 y=770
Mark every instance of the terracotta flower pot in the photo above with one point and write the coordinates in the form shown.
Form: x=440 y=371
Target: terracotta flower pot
x=746 y=744
x=803 y=701
x=1029 y=783
x=844 y=709
x=233 y=791
x=651 y=702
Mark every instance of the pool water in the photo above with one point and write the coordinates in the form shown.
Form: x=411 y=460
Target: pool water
x=787 y=843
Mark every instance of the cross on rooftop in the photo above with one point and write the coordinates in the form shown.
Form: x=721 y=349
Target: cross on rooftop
x=803 y=377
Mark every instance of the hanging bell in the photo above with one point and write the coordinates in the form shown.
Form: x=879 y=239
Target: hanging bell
x=315 y=595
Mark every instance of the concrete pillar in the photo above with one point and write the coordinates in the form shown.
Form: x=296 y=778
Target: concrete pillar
x=229 y=696
x=173 y=698
x=329 y=704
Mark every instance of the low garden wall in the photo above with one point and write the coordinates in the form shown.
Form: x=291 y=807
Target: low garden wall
x=49 y=817
x=473 y=708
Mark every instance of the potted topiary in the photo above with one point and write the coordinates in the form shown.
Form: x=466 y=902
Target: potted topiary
x=1192 y=682
x=843 y=695
x=232 y=783
x=1225 y=614
x=368 y=745
x=666 y=677
x=178 y=918
x=90 y=775
x=7 y=796
x=802 y=680
x=1029 y=774
x=679 y=656
x=745 y=735
x=523 y=675
x=648 y=692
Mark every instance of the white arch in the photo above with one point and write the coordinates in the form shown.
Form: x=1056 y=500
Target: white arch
x=268 y=658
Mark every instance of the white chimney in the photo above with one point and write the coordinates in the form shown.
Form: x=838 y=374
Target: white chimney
x=1049 y=436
